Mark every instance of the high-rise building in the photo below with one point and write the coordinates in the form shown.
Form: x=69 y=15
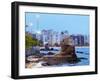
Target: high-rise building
x=80 y=40
x=55 y=38
x=47 y=36
x=86 y=40
x=51 y=37
x=75 y=39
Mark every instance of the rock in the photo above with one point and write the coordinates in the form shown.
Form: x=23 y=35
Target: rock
x=67 y=54
x=50 y=53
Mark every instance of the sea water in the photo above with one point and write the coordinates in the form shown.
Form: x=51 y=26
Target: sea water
x=84 y=55
x=81 y=52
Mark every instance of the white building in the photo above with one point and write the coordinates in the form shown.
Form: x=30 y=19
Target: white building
x=55 y=38
x=51 y=37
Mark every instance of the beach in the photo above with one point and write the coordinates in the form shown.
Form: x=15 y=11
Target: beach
x=81 y=52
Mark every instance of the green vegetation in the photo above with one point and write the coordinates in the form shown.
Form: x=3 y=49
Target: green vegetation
x=30 y=41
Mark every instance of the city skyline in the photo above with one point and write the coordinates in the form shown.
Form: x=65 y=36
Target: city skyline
x=74 y=24
x=51 y=37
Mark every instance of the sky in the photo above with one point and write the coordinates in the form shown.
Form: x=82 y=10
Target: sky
x=73 y=23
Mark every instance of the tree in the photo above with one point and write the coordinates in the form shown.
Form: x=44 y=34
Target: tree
x=30 y=41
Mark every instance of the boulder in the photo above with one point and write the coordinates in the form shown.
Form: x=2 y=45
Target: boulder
x=66 y=55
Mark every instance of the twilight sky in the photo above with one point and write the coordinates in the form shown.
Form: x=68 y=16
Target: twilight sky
x=74 y=24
